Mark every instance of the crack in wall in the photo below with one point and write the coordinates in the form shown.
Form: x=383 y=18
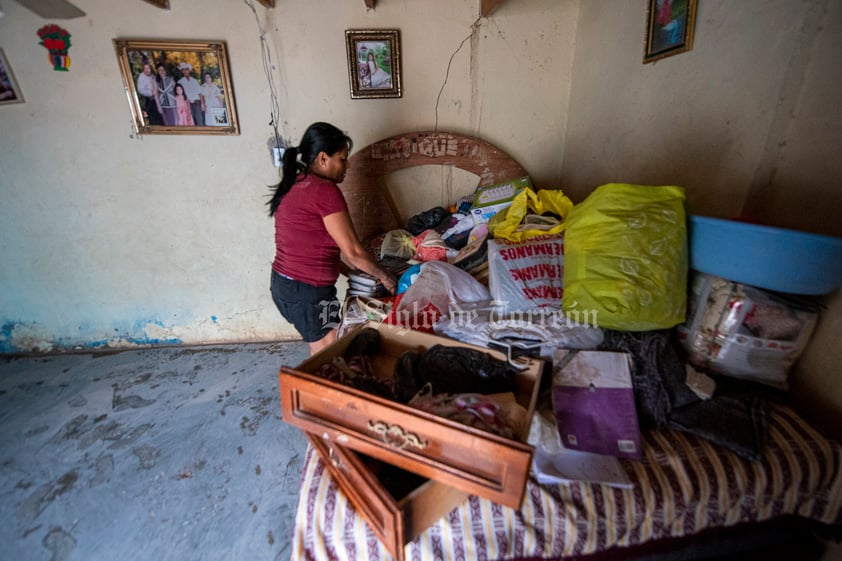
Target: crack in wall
x=473 y=36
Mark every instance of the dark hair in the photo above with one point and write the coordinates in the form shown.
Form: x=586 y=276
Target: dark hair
x=158 y=76
x=319 y=137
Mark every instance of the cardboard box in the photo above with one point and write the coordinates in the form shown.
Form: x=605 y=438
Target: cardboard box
x=491 y=199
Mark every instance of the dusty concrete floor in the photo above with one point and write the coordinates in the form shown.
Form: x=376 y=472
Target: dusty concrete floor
x=167 y=454
x=148 y=455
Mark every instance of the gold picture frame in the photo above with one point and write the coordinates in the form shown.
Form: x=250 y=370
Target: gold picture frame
x=9 y=89
x=374 y=63
x=670 y=25
x=199 y=67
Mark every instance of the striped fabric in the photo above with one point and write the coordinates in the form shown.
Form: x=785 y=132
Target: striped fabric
x=684 y=484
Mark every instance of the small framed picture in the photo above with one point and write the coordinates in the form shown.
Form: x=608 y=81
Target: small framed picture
x=374 y=63
x=669 y=28
x=178 y=87
x=9 y=89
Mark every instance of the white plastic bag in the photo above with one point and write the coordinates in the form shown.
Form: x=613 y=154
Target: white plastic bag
x=527 y=275
x=359 y=309
x=438 y=286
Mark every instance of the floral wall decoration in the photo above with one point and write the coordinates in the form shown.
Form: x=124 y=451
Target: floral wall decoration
x=56 y=40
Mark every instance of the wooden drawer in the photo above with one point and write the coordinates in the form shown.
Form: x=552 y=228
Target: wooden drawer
x=433 y=447
x=397 y=505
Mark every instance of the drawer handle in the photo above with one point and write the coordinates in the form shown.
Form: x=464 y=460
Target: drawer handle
x=336 y=460
x=396 y=437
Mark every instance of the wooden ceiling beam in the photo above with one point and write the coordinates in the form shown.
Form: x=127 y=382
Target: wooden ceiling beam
x=53 y=9
x=485 y=6
x=488 y=6
x=163 y=4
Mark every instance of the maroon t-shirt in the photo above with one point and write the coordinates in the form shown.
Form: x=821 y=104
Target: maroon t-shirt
x=304 y=250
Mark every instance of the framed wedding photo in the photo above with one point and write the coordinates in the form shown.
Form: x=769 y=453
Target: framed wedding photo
x=669 y=28
x=178 y=87
x=374 y=63
x=9 y=89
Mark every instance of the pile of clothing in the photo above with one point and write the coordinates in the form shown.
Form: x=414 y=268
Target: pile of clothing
x=533 y=272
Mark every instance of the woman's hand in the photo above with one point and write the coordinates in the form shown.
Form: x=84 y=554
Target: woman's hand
x=389 y=283
x=339 y=226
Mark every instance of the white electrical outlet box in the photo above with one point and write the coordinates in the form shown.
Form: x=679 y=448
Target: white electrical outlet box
x=279 y=156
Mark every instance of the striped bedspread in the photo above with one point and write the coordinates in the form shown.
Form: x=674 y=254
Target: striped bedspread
x=683 y=485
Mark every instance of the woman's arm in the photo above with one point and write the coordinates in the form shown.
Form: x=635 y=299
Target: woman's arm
x=339 y=227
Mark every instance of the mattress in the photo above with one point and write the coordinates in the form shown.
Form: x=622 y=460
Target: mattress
x=682 y=486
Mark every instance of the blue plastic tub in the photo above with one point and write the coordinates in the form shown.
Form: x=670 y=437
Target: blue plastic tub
x=765 y=256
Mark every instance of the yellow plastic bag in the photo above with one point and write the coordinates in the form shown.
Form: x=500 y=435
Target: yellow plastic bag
x=625 y=259
x=509 y=224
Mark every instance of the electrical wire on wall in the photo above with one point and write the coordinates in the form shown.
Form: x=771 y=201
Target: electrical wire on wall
x=276 y=143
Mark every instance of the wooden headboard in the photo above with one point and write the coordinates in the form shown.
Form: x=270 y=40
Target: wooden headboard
x=368 y=204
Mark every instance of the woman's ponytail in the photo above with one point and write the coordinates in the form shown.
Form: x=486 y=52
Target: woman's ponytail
x=318 y=138
x=292 y=167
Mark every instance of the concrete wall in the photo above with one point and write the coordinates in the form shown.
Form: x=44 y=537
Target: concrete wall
x=751 y=106
x=748 y=122
x=108 y=239
x=113 y=240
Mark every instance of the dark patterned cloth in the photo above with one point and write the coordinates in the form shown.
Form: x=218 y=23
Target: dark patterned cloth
x=735 y=417
x=657 y=374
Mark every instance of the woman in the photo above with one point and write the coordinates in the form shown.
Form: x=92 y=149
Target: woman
x=378 y=77
x=211 y=99
x=166 y=95
x=313 y=232
x=182 y=108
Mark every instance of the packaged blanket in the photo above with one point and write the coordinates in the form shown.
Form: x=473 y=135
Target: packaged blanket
x=746 y=332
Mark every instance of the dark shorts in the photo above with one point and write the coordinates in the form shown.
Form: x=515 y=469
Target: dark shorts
x=313 y=310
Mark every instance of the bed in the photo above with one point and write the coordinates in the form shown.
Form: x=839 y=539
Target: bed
x=689 y=499
x=683 y=487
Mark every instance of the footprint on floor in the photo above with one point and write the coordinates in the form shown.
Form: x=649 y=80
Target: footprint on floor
x=119 y=402
x=59 y=543
x=147 y=455
x=104 y=468
x=32 y=507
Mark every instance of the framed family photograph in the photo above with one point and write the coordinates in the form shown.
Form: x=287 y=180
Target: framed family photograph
x=374 y=63
x=9 y=89
x=669 y=28
x=178 y=87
